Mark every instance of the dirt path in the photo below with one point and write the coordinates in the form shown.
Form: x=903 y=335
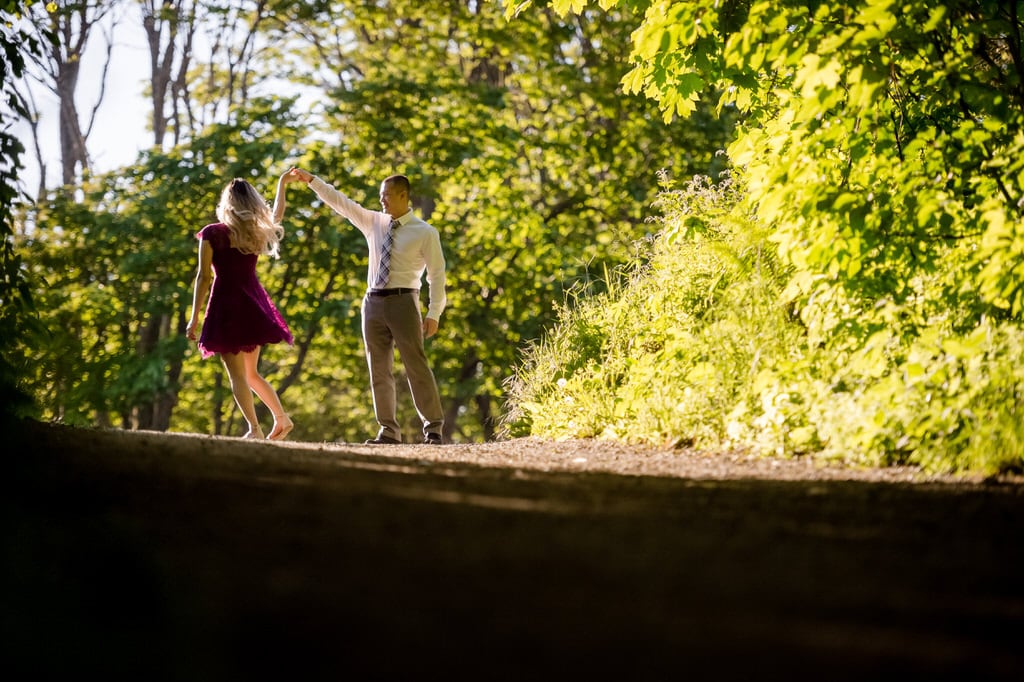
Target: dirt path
x=162 y=556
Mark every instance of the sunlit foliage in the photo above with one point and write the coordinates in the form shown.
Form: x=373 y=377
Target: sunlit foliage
x=17 y=305
x=522 y=151
x=880 y=151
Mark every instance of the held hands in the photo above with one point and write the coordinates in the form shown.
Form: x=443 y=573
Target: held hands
x=190 y=331
x=297 y=175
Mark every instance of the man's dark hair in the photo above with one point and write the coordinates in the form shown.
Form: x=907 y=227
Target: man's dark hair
x=399 y=182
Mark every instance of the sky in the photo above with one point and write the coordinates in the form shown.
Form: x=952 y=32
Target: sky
x=122 y=127
x=122 y=122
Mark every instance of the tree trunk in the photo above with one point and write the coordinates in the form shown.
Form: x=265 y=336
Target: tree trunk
x=164 y=23
x=73 y=154
x=149 y=337
x=169 y=398
x=487 y=421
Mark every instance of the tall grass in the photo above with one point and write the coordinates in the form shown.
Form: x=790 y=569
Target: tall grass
x=667 y=353
x=695 y=344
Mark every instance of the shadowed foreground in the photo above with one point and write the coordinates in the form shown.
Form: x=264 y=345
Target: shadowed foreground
x=174 y=557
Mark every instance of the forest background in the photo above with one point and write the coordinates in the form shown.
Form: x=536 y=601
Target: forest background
x=784 y=227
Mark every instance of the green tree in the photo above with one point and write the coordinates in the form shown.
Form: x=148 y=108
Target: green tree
x=882 y=140
x=119 y=261
x=17 y=307
x=521 y=150
x=880 y=144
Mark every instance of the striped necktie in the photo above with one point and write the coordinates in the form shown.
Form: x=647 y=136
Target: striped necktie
x=385 y=256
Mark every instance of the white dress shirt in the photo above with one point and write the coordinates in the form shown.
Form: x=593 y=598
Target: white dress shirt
x=416 y=248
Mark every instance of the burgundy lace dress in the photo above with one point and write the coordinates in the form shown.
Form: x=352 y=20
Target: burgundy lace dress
x=239 y=315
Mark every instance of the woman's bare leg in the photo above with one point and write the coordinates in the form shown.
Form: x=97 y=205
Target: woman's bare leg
x=282 y=422
x=235 y=364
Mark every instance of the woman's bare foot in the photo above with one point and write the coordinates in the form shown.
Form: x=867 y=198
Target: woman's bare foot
x=282 y=427
x=257 y=433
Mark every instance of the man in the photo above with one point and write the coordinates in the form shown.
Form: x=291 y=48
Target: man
x=401 y=247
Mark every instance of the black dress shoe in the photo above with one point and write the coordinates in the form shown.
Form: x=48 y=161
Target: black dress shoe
x=382 y=440
x=432 y=439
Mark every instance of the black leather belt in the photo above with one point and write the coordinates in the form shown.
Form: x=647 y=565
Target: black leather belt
x=391 y=292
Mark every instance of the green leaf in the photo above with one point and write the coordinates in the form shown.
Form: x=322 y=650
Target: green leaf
x=563 y=7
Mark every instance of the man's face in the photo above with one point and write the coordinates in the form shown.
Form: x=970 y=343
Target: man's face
x=393 y=200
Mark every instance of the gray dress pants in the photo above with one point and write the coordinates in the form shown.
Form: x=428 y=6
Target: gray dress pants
x=390 y=322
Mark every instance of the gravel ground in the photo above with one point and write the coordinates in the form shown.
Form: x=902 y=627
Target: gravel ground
x=605 y=456
x=144 y=555
x=530 y=454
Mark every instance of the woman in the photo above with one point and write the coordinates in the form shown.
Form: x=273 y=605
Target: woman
x=240 y=317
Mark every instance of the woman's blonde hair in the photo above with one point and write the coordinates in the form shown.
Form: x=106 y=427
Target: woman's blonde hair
x=249 y=218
